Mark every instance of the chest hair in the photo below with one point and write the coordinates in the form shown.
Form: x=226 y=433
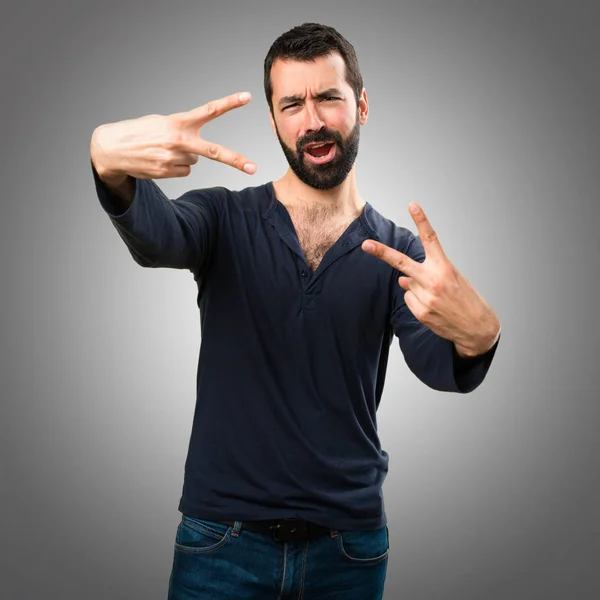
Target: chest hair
x=318 y=228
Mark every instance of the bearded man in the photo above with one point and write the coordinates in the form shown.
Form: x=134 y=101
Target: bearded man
x=302 y=286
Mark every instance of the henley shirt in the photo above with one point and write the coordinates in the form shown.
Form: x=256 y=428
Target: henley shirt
x=292 y=363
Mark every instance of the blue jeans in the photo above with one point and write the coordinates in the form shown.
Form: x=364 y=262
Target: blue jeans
x=216 y=561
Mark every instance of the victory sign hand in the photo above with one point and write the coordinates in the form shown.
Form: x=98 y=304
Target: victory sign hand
x=438 y=295
x=162 y=146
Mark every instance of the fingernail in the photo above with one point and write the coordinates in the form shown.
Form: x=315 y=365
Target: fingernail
x=414 y=209
x=369 y=246
x=249 y=168
x=244 y=96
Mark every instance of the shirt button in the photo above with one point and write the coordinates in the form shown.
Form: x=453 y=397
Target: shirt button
x=303 y=273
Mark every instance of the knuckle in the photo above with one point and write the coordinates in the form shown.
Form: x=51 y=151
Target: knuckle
x=432 y=303
x=211 y=108
x=175 y=117
x=213 y=151
x=431 y=236
x=174 y=140
x=163 y=157
x=437 y=287
x=174 y=121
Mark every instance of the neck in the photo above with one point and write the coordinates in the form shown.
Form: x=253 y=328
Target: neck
x=343 y=199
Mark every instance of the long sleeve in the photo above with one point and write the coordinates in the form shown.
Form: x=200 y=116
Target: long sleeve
x=431 y=358
x=159 y=232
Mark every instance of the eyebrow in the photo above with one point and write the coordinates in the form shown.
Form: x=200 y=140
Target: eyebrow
x=297 y=98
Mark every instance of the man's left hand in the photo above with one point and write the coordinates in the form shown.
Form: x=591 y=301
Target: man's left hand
x=438 y=295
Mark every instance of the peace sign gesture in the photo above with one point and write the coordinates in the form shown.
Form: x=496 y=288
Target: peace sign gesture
x=438 y=295
x=162 y=146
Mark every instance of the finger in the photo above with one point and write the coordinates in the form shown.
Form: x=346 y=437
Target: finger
x=211 y=110
x=422 y=294
x=184 y=158
x=427 y=234
x=392 y=257
x=415 y=306
x=405 y=282
x=180 y=171
x=223 y=155
x=166 y=172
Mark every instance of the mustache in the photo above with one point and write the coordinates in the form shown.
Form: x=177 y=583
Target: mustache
x=321 y=136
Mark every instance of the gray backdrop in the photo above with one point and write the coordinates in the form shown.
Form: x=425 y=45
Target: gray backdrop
x=484 y=112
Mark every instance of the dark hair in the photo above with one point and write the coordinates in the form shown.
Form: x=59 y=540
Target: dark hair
x=307 y=42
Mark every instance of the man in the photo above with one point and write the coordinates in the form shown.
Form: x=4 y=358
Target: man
x=301 y=287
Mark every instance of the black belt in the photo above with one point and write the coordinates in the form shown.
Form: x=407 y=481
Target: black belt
x=285 y=530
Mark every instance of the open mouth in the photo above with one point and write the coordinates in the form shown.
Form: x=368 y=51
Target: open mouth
x=320 y=153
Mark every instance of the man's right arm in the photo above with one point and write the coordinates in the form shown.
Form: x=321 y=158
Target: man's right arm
x=127 y=156
x=157 y=231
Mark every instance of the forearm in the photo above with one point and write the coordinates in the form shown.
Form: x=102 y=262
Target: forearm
x=435 y=360
x=158 y=232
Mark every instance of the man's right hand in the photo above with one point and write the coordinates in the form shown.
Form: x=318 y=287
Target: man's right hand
x=160 y=147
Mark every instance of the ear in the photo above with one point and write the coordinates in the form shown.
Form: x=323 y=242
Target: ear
x=363 y=107
x=273 y=124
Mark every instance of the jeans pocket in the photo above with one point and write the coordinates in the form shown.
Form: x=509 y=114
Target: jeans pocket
x=199 y=535
x=364 y=546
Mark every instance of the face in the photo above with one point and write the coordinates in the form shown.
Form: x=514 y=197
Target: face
x=316 y=119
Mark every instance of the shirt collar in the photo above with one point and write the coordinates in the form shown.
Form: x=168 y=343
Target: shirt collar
x=366 y=217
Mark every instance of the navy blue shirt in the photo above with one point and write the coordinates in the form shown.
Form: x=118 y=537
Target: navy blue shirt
x=292 y=363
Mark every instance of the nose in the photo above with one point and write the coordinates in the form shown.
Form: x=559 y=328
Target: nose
x=312 y=119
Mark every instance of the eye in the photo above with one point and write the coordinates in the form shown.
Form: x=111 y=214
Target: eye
x=290 y=106
x=330 y=98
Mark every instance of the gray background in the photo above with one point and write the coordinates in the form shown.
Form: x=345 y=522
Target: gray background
x=484 y=112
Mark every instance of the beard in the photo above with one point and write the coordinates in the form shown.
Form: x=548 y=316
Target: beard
x=328 y=175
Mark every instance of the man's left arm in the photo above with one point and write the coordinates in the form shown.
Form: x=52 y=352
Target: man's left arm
x=448 y=332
